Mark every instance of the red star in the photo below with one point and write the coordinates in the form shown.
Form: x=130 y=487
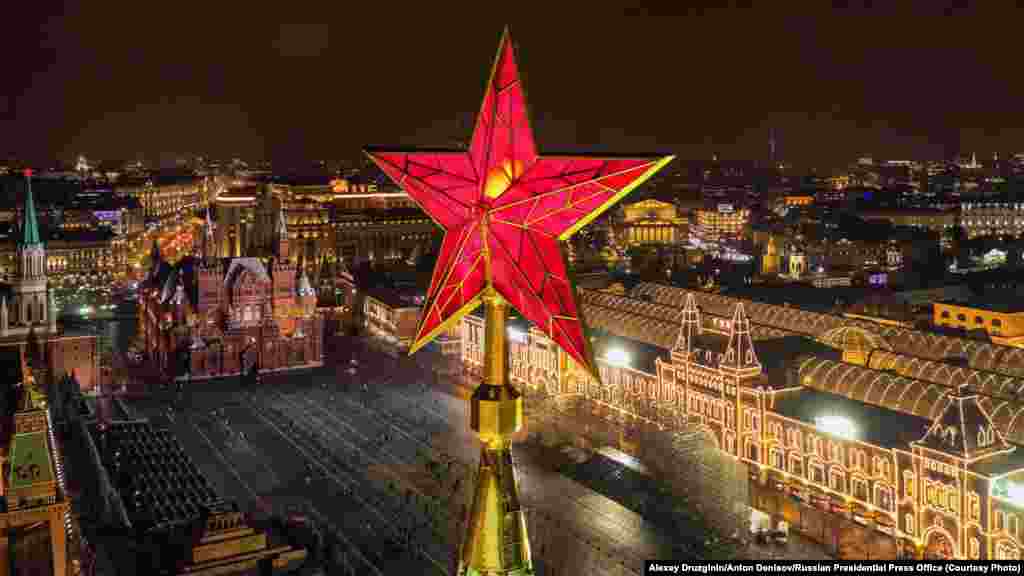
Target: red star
x=504 y=209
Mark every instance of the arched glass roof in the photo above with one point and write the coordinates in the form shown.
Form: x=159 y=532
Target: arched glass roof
x=889 y=389
x=979 y=355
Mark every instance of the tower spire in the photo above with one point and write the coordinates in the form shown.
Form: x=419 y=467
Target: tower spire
x=29 y=225
x=690 y=325
x=740 y=355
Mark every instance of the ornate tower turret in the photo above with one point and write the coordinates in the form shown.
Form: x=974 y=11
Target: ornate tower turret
x=210 y=248
x=282 y=238
x=52 y=311
x=688 y=330
x=305 y=296
x=740 y=359
x=29 y=286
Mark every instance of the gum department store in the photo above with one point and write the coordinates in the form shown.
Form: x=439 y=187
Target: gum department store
x=904 y=443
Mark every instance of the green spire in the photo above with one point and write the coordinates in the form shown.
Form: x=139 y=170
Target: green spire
x=29 y=226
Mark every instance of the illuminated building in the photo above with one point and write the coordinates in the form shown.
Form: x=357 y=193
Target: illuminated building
x=939 y=221
x=35 y=511
x=992 y=218
x=382 y=236
x=164 y=199
x=1001 y=318
x=28 y=313
x=798 y=200
x=884 y=454
x=391 y=315
x=721 y=222
x=309 y=223
x=505 y=209
x=358 y=223
x=235 y=218
x=211 y=316
x=652 y=222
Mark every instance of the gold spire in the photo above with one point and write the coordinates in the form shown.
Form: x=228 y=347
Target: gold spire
x=496 y=540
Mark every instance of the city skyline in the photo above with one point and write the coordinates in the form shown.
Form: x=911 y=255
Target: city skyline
x=111 y=85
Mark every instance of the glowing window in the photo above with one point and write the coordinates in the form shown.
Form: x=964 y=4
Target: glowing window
x=837 y=480
x=908 y=483
x=1007 y=551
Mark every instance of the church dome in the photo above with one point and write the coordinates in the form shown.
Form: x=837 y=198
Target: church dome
x=853 y=339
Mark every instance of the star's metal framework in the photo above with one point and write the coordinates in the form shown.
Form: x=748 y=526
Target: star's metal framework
x=505 y=209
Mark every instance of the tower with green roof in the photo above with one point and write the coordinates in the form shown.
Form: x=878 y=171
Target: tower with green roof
x=29 y=307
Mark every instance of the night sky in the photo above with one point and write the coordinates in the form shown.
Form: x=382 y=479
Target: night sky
x=158 y=80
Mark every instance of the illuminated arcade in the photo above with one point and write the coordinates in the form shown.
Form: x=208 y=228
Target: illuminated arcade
x=505 y=209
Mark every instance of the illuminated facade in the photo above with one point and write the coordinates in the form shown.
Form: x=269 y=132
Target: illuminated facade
x=992 y=218
x=164 y=201
x=235 y=217
x=28 y=314
x=876 y=464
x=798 y=200
x=391 y=316
x=939 y=221
x=652 y=222
x=1003 y=323
x=382 y=236
x=722 y=222
x=505 y=209
x=208 y=316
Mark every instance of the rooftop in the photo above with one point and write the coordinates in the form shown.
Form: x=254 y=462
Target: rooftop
x=30 y=460
x=641 y=354
x=394 y=297
x=1008 y=302
x=1001 y=463
x=874 y=425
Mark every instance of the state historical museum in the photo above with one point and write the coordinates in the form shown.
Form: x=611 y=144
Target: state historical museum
x=206 y=316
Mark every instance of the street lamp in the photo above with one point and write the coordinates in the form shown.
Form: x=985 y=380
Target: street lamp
x=837 y=426
x=617 y=357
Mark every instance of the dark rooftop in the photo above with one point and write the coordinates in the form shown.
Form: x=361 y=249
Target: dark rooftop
x=394 y=297
x=642 y=355
x=874 y=425
x=97 y=235
x=1001 y=463
x=1008 y=302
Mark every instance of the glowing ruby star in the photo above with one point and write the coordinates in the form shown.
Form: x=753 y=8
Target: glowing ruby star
x=504 y=209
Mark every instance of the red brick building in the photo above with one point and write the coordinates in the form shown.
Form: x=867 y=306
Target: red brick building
x=206 y=316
